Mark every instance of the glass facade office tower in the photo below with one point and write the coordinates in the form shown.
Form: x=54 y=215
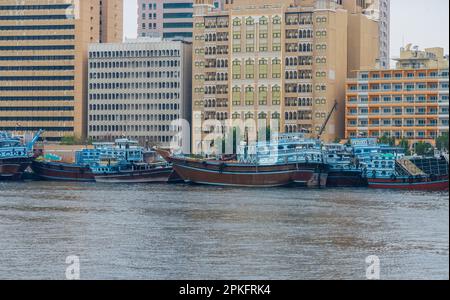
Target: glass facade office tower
x=168 y=19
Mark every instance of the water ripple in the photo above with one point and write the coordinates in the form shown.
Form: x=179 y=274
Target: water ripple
x=197 y=232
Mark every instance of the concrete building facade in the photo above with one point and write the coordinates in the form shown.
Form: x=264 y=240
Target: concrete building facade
x=167 y=19
x=410 y=101
x=43 y=62
x=276 y=62
x=138 y=88
x=111 y=25
x=380 y=10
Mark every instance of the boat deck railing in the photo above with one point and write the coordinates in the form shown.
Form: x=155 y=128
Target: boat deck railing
x=432 y=165
x=14 y=152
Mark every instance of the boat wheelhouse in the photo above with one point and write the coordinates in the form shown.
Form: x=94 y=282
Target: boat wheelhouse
x=15 y=155
x=122 y=150
x=12 y=147
x=286 y=148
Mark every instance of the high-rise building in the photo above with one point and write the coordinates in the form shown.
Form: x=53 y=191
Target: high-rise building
x=282 y=62
x=138 y=88
x=167 y=19
x=380 y=10
x=410 y=101
x=43 y=62
x=111 y=24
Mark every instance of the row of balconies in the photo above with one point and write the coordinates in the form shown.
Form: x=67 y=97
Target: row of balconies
x=395 y=78
x=299 y=34
x=302 y=48
x=305 y=103
x=407 y=135
x=216 y=37
x=290 y=21
x=212 y=103
x=220 y=50
x=393 y=101
x=421 y=89
x=217 y=24
x=298 y=102
x=217 y=77
x=300 y=88
x=298 y=75
x=406 y=86
x=391 y=125
x=216 y=90
x=405 y=113
x=216 y=66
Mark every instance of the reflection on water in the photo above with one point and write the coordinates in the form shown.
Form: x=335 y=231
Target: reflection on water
x=196 y=232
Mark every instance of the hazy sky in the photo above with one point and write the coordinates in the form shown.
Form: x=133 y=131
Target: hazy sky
x=420 y=22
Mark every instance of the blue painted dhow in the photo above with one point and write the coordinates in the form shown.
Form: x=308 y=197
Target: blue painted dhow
x=15 y=156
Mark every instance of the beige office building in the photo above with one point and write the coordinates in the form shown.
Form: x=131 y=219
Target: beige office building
x=43 y=62
x=282 y=63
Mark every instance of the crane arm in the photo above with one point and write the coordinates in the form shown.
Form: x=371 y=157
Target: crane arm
x=30 y=145
x=328 y=119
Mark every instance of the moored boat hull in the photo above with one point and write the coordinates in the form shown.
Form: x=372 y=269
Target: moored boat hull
x=13 y=168
x=157 y=175
x=303 y=178
x=439 y=184
x=202 y=176
x=62 y=172
x=346 y=178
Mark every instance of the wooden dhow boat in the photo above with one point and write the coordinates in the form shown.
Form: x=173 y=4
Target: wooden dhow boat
x=15 y=156
x=290 y=160
x=388 y=167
